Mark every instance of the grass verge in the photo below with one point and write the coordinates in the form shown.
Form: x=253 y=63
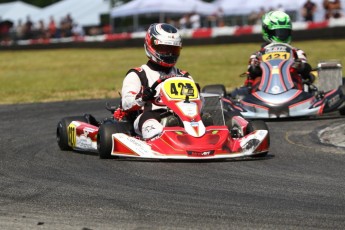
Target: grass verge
x=69 y=74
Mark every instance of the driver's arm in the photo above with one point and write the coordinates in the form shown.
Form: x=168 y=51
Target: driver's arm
x=131 y=90
x=301 y=63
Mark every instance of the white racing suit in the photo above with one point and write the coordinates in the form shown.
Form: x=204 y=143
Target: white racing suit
x=148 y=123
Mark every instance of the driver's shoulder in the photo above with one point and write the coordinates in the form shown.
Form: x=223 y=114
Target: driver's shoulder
x=182 y=73
x=137 y=70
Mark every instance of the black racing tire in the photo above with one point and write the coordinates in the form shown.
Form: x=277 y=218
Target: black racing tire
x=216 y=89
x=104 y=139
x=257 y=125
x=342 y=109
x=62 y=131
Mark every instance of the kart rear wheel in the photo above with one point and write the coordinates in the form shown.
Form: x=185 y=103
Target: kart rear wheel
x=216 y=89
x=258 y=125
x=342 y=110
x=62 y=131
x=104 y=137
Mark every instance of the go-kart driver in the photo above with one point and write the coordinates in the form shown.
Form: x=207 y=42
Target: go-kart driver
x=162 y=45
x=277 y=27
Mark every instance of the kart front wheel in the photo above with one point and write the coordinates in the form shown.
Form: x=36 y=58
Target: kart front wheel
x=342 y=109
x=104 y=140
x=259 y=125
x=62 y=131
x=104 y=137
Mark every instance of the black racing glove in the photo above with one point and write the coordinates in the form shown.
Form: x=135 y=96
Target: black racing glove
x=148 y=94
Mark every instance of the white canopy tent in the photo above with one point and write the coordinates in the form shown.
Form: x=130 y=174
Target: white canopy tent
x=15 y=11
x=137 y=7
x=83 y=12
x=161 y=8
x=237 y=7
x=242 y=7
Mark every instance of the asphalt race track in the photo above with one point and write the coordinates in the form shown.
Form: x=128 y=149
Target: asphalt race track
x=300 y=185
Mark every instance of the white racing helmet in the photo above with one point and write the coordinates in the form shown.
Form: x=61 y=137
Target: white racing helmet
x=163 y=44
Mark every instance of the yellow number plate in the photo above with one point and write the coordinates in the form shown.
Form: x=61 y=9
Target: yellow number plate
x=72 y=135
x=173 y=88
x=276 y=55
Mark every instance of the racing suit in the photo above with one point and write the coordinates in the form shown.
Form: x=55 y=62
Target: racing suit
x=136 y=81
x=300 y=68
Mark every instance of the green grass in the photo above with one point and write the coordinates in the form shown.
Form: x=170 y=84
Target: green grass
x=68 y=74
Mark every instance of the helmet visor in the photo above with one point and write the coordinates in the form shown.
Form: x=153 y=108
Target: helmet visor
x=282 y=35
x=167 y=50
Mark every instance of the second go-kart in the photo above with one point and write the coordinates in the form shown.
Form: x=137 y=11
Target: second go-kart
x=195 y=128
x=277 y=93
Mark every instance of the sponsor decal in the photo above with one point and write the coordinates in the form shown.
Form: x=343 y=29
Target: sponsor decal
x=332 y=101
x=85 y=143
x=188 y=109
x=194 y=124
x=201 y=154
x=250 y=146
x=137 y=146
x=275 y=49
x=171 y=43
x=261 y=133
x=250 y=143
x=149 y=128
x=88 y=130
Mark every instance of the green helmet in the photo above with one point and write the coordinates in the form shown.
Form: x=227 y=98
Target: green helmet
x=276 y=27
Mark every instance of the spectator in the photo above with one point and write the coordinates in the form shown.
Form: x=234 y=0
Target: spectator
x=184 y=22
x=195 y=20
x=52 y=28
x=253 y=18
x=261 y=13
x=172 y=22
x=19 y=30
x=94 y=30
x=280 y=7
x=106 y=28
x=41 y=30
x=217 y=18
x=5 y=27
x=77 y=30
x=66 y=26
x=69 y=20
x=28 y=28
x=220 y=17
x=332 y=8
x=308 y=10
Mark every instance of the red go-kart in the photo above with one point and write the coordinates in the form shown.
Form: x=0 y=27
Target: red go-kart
x=195 y=128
